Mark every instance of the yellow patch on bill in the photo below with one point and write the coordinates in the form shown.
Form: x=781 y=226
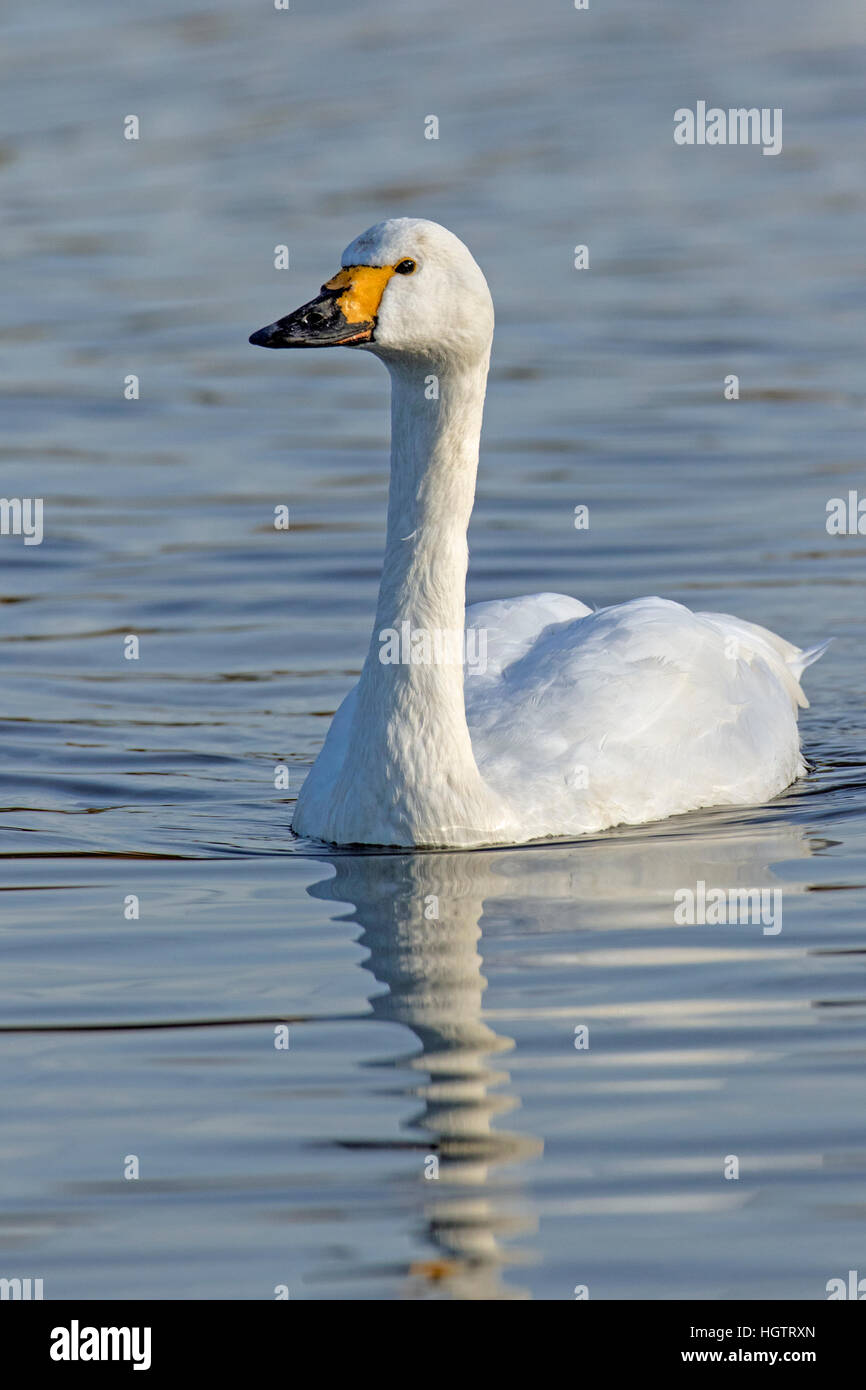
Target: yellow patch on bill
x=363 y=286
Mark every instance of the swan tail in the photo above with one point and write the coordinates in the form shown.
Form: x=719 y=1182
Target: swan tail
x=809 y=656
x=800 y=660
x=787 y=660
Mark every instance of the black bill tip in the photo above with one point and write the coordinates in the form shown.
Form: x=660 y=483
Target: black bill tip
x=317 y=324
x=262 y=338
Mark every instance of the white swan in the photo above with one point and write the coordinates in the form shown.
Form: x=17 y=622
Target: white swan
x=581 y=720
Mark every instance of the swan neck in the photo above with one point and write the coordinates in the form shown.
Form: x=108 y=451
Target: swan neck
x=436 y=419
x=409 y=761
x=407 y=771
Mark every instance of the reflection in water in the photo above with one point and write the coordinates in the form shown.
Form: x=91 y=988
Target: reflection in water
x=420 y=916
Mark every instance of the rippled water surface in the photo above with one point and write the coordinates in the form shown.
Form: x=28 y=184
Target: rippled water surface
x=412 y=1037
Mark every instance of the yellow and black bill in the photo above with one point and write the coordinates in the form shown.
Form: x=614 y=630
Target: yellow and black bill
x=342 y=315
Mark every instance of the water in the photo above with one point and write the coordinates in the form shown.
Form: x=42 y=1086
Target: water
x=413 y=1037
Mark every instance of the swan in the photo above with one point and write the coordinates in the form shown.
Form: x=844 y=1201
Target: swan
x=575 y=720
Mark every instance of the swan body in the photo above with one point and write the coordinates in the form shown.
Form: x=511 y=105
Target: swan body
x=574 y=721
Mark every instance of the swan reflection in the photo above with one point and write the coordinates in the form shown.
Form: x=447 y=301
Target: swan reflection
x=421 y=921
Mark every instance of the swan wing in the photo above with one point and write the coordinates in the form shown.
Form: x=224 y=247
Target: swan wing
x=631 y=713
x=512 y=625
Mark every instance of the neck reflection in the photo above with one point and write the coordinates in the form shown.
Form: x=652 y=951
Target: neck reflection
x=420 y=916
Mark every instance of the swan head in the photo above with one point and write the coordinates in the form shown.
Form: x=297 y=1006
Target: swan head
x=406 y=288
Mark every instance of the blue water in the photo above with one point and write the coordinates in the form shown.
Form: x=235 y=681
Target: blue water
x=414 y=1038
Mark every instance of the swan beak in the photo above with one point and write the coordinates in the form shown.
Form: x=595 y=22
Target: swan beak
x=343 y=315
x=321 y=323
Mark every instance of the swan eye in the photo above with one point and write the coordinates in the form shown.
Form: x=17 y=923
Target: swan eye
x=405 y=268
